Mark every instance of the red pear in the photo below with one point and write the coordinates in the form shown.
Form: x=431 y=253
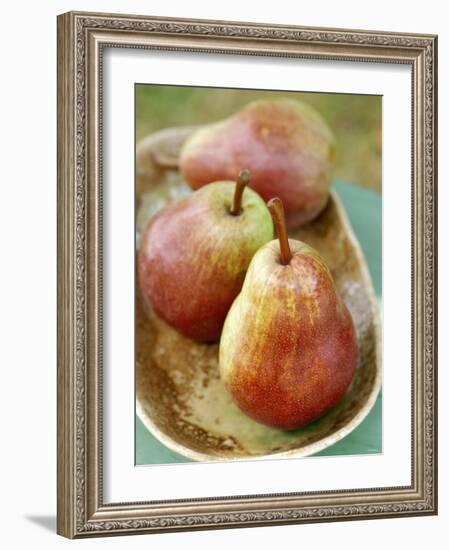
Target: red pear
x=287 y=146
x=288 y=349
x=195 y=252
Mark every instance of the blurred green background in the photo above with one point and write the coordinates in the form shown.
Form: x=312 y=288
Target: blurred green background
x=356 y=120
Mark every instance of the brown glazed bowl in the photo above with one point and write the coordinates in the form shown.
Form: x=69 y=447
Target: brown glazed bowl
x=180 y=397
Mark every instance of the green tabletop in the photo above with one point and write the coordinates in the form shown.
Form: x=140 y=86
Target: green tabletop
x=364 y=208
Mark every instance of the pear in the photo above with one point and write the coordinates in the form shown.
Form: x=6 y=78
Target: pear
x=194 y=254
x=285 y=143
x=288 y=350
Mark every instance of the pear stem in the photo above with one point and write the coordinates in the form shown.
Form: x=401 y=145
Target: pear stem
x=242 y=181
x=277 y=213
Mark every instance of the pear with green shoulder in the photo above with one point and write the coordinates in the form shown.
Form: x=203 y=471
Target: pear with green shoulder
x=288 y=350
x=194 y=254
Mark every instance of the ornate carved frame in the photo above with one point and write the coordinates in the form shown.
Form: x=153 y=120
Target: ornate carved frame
x=81 y=39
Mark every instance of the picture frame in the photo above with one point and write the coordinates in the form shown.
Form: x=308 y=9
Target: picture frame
x=82 y=40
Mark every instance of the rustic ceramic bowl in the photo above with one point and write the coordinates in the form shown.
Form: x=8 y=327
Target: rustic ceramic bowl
x=180 y=397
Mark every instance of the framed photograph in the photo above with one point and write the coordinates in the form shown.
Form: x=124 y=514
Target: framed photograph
x=246 y=274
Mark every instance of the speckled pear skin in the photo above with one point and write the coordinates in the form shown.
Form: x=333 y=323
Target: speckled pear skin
x=194 y=254
x=286 y=145
x=288 y=349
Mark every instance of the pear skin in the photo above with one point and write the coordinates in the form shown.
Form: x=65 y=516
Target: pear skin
x=286 y=145
x=288 y=349
x=194 y=255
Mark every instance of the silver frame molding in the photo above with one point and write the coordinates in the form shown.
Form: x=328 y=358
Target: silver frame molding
x=81 y=39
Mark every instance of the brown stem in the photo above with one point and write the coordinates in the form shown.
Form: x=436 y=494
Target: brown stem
x=242 y=181
x=277 y=213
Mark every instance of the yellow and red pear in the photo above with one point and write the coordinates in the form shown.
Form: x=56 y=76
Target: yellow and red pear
x=285 y=143
x=288 y=350
x=195 y=252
